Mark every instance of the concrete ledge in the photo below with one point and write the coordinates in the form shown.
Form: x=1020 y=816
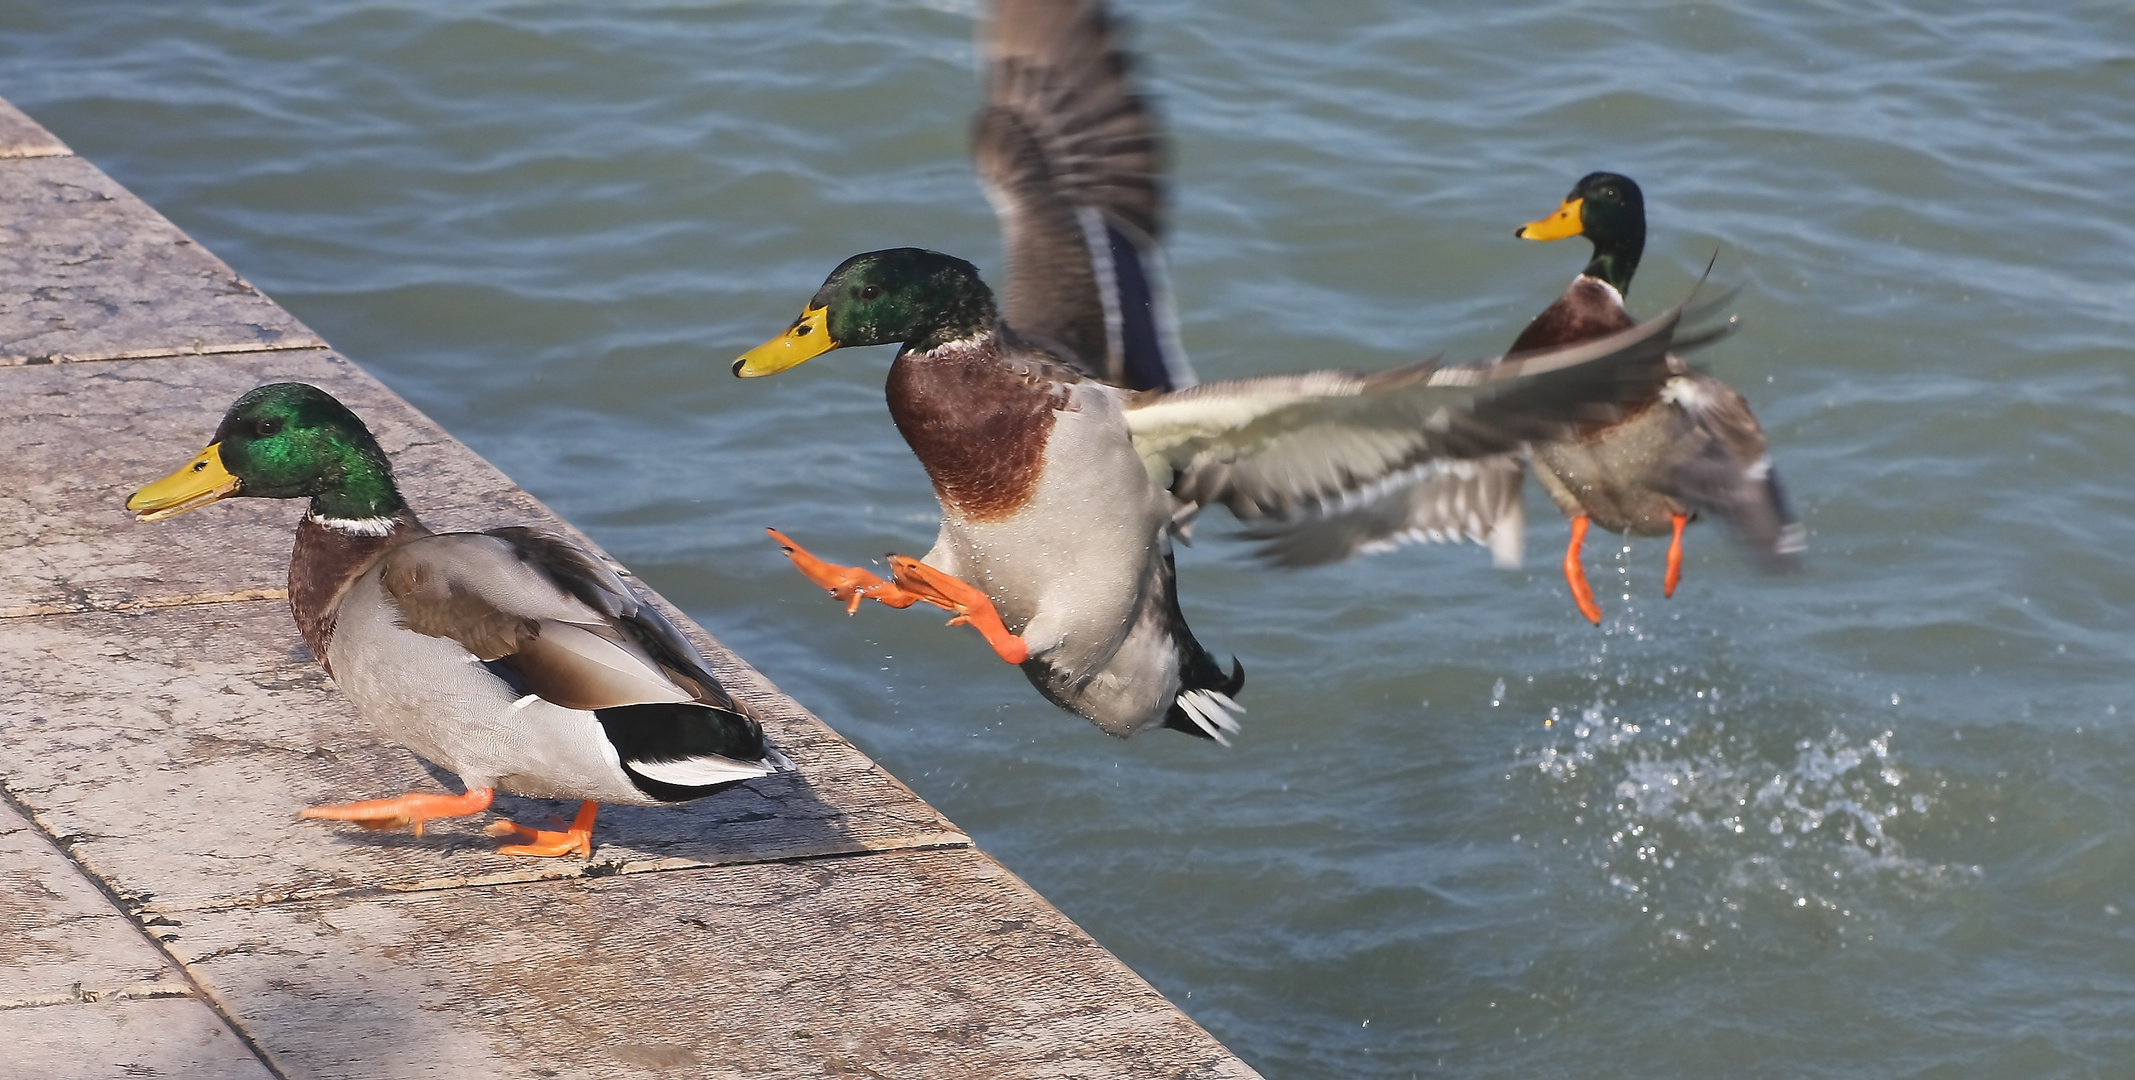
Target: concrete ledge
x=94 y=274
x=169 y=916
x=22 y=137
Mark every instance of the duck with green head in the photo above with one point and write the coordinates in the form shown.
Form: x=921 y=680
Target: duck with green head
x=514 y=658
x=1691 y=448
x=1061 y=493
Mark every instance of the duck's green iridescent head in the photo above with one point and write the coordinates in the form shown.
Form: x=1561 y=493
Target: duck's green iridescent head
x=921 y=298
x=282 y=441
x=1609 y=210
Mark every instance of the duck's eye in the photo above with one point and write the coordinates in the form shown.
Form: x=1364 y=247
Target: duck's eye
x=269 y=426
x=870 y=292
x=1610 y=194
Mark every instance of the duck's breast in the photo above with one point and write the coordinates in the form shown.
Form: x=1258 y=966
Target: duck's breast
x=1070 y=568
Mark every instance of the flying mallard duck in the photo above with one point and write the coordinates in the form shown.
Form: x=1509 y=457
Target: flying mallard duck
x=1071 y=159
x=1061 y=493
x=513 y=658
x=1691 y=447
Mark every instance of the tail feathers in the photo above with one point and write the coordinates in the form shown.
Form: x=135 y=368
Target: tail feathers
x=1204 y=706
x=699 y=772
x=677 y=751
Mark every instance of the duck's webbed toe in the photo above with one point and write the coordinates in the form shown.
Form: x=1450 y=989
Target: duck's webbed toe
x=545 y=844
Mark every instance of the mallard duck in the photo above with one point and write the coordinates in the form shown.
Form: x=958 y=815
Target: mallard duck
x=514 y=658
x=1072 y=161
x=1690 y=448
x=1061 y=493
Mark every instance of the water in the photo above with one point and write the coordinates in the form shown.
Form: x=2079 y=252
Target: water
x=1876 y=819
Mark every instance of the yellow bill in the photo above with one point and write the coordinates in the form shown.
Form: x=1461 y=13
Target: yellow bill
x=1557 y=226
x=202 y=481
x=808 y=337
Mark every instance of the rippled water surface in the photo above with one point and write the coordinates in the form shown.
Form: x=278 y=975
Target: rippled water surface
x=1876 y=819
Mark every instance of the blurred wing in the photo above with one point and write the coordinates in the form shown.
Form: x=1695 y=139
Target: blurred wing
x=1288 y=444
x=1441 y=501
x=1723 y=467
x=1069 y=156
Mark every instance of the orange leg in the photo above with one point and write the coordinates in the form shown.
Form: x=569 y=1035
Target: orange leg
x=913 y=582
x=543 y=844
x=410 y=809
x=1675 y=557
x=848 y=583
x=1576 y=574
x=973 y=608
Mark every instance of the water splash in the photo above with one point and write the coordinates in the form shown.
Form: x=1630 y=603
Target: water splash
x=1711 y=832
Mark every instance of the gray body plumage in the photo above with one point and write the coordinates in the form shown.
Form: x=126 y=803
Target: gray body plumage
x=430 y=640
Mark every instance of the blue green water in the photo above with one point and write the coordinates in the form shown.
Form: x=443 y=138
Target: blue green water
x=1876 y=819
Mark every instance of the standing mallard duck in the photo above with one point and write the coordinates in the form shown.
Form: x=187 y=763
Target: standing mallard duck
x=513 y=658
x=1061 y=493
x=1690 y=448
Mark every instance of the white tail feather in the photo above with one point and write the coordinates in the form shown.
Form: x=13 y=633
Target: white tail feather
x=1210 y=710
x=702 y=771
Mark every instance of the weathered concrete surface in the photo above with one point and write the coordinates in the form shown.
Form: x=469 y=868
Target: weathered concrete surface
x=94 y=274
x=913 y=964
x=22 y=137
x=161 y=724
x=177 y=1039
x=61 y=940
x=82 y=992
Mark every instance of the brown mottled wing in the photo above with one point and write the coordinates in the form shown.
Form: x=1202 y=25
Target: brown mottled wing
x=1069 y=156
x=1723 y=466
x=1285 y=444
x=568 y=627
x=1442 y=501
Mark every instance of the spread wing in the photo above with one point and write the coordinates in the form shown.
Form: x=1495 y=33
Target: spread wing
x=1440 y=501
x=1287 y=445
x=1722 y=466
x=1070 y=158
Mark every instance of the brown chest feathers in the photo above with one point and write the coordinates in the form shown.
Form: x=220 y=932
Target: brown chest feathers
x=978 y=427
x=324 y=563
x=1589 y=309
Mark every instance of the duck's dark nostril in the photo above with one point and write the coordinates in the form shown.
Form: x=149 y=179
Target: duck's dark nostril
x=802 y=330
x=200 y=466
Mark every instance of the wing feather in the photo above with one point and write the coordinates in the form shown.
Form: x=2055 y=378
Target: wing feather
x=566 y=625
x=1070 y=157
x=1281 y=445
x=1722 y=466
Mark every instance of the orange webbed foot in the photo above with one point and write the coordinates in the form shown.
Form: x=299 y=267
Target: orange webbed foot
x=1675 y=556
x=972 y=606
x=1582 y=593
x=850 y=584
x=544 y=844
x=411 y=809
